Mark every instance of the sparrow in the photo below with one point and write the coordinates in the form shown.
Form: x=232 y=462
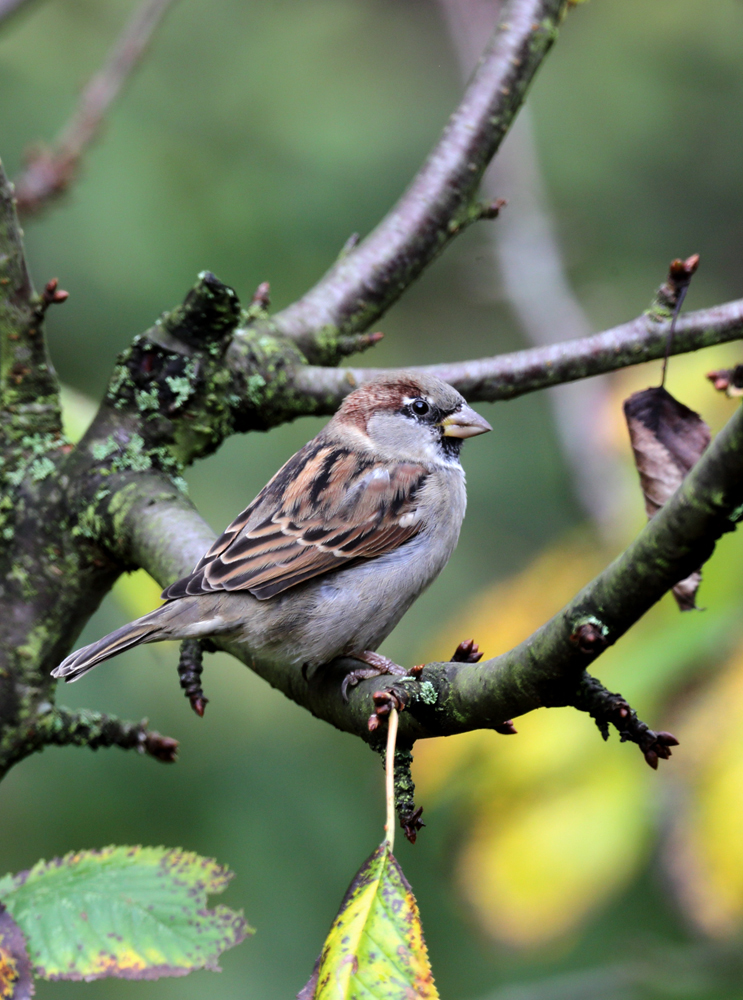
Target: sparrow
x=336 y=547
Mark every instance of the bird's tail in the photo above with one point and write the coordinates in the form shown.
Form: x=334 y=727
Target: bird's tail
x=146 y=629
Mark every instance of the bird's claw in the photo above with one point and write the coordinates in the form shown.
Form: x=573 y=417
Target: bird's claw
x=377 y=665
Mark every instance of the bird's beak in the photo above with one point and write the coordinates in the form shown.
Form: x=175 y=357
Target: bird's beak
x=465 y=423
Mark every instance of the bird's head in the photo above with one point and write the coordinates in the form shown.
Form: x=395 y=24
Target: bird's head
x=410 y=416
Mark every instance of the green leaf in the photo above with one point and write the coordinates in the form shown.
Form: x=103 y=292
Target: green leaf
x=375 y=948
x=131 y=912
x=16 y=980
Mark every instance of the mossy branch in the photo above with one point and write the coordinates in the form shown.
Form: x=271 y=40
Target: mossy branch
x=80 y=516
x=63 y=727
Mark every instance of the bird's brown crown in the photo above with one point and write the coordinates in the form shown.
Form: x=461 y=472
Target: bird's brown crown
x=389 y=392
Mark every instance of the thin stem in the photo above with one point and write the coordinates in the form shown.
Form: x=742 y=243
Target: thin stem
x=671 y=330
x=389 y=782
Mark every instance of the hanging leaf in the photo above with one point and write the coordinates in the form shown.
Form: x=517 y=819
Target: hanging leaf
x=16 y=981
x=130 y=912
x=375 y=948
x=667 y=440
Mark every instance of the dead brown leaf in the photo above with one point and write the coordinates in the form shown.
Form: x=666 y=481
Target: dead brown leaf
x=667 y=440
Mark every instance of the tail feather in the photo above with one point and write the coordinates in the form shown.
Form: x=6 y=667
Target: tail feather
x=146 y=629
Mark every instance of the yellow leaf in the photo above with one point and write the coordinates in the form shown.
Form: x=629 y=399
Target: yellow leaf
x=375 y=948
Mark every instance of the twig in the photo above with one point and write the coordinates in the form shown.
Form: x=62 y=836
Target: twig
x=728 y=380
x=364 y=282
x=606 y=708
x=190 y=669
x=49 y=172
x=679 y=278
x=507 y=376
x=63 y=727
x=408 y=814
x=389 y=784
x=528 y=265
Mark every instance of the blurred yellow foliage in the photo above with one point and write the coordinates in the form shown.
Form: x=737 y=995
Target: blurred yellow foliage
x=705 y=851
x=562 y=850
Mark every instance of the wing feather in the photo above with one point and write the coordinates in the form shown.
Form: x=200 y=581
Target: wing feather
x=326 y=508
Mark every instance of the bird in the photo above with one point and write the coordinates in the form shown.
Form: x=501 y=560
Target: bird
x=336 y=547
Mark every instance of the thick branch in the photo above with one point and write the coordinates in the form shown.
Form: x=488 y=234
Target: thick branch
x=50 y=172
x=440 y=201
x=507 y=376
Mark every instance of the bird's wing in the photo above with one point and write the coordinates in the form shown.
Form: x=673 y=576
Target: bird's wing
x=326 y=507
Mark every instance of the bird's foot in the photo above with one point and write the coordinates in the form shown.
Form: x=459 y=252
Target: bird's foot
x=377 y=665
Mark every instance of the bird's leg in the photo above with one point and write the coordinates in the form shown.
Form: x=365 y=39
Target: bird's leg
x=190 y=667
x=376 y=666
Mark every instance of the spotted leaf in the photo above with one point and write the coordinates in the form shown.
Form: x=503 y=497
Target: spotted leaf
x=375 y=948
x=130 y=912
x=16 y=980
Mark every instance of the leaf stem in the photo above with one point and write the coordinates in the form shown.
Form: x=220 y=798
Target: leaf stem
x=390 y=778
x=671 y=330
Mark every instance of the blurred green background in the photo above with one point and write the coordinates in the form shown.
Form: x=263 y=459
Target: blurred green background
x=254 y=140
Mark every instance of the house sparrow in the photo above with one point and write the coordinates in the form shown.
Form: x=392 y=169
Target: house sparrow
x=334 y=550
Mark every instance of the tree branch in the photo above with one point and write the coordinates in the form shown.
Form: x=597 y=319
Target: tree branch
x=507 y=376
x=49 y=172
x=439 y=203
x=62 y=727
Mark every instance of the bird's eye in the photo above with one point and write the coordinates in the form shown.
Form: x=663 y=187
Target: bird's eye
x=420 y=407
